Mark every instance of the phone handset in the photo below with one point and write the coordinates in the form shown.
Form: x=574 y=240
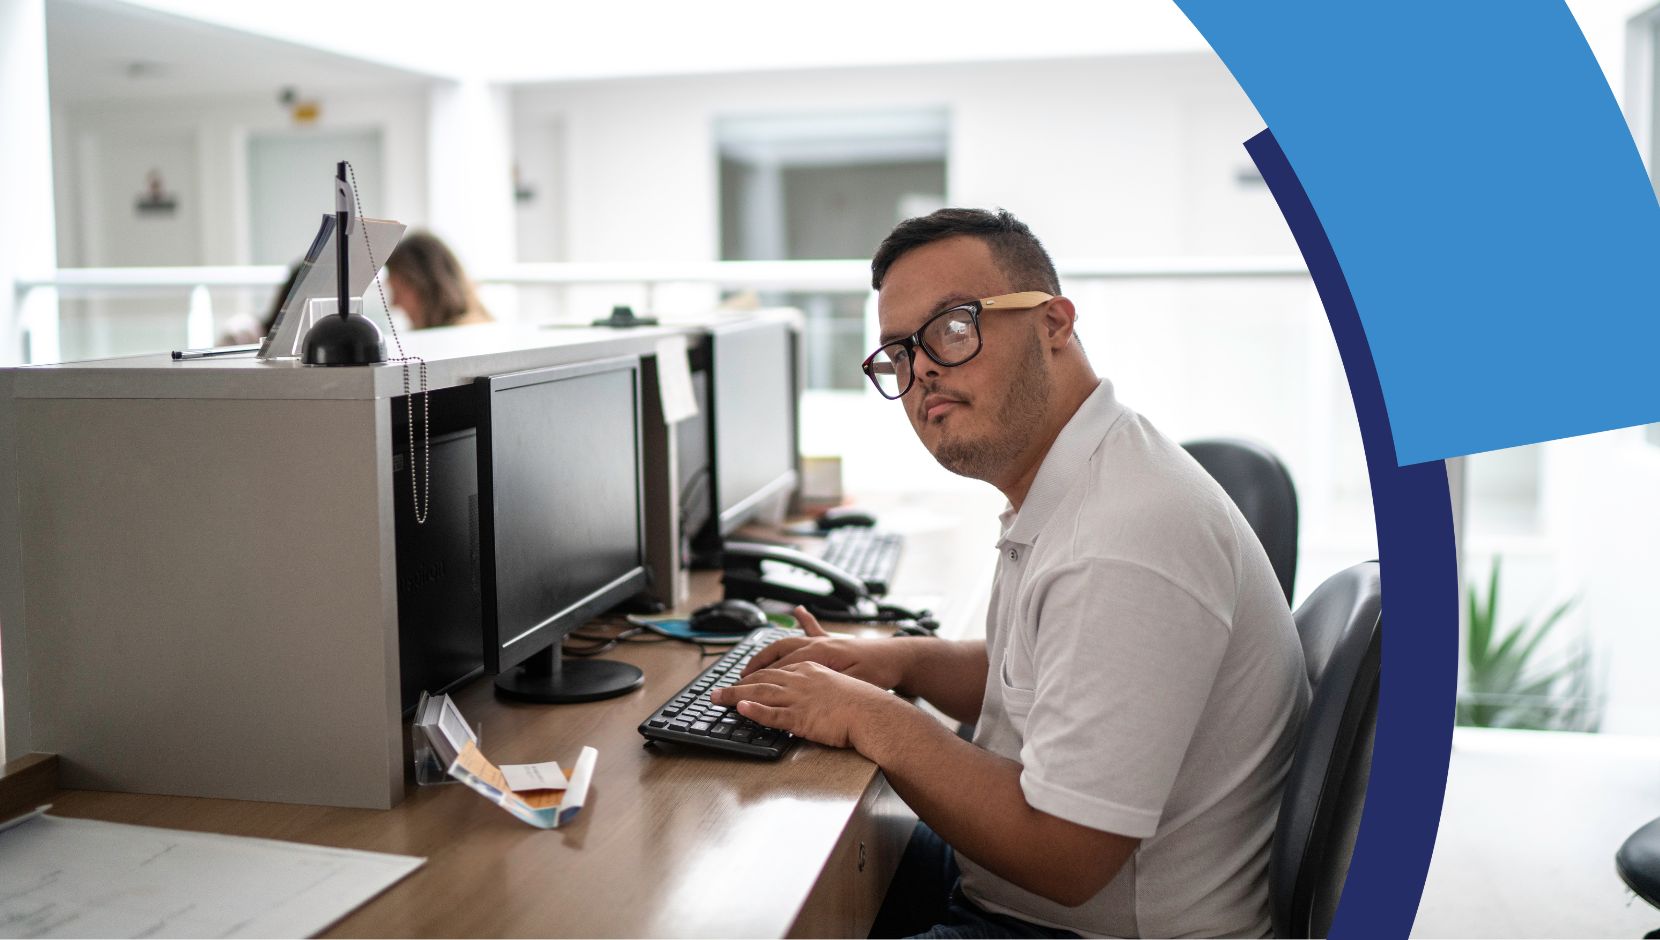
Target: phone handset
x=754 y=570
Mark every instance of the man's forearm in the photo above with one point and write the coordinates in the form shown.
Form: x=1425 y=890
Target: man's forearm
x=950 y=674
x=973 y=799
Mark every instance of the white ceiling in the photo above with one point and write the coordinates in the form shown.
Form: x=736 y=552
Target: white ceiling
x=108 y=50
x=559 y=40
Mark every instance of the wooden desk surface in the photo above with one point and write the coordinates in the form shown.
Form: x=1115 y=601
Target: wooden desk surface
x=674 y=841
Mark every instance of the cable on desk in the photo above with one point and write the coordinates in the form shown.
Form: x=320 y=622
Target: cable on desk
x=593 y=643
x=628 y=628
x=658 y=635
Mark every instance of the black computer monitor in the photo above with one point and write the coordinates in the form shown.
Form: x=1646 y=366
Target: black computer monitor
x=438 y=591
x=752 y=418
x=561 y=519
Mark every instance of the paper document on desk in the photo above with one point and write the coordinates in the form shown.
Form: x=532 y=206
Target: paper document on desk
x=85 y=878
x=544 y=809
x=674 y=380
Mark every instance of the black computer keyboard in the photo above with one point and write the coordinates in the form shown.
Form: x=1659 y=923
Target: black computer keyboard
x=690 y=718
x=868 y=555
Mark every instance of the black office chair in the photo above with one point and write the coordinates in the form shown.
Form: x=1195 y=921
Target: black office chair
x=1638 y=862
x=1259 y=485
x=1325 y=790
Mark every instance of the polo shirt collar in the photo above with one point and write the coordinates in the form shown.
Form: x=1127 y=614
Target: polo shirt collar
x=1063 y=464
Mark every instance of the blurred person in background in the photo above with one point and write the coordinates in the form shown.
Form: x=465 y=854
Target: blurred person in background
x=428 y=284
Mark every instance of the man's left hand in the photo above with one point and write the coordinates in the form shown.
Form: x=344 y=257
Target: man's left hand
x=808 y=700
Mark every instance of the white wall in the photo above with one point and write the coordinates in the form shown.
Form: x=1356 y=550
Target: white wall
x=26 y=240
x=1122 y=157
x=1132 y=156
x=114 y=173
x=219 y=130
x=539 y=153
x=469 y=188
x=285 y=174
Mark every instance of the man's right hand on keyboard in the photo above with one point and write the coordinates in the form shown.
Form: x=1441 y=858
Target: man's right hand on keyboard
x=881 y=662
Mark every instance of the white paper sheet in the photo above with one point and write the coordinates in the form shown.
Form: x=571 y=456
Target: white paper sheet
x=674 y=379
x=543 y=776
x=83 y=878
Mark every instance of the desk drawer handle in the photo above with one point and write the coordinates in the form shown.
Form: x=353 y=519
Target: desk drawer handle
x=861 y=856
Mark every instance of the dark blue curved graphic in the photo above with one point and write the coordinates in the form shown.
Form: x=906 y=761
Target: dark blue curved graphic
x=1474 y=174
x=1420 y=647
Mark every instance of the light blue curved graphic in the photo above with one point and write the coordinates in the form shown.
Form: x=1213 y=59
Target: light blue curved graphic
x=1485 y=199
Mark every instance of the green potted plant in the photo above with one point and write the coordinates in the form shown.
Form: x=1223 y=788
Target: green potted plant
x=1506 y=685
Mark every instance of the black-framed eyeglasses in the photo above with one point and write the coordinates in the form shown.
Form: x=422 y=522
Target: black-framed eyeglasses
x=950 y=338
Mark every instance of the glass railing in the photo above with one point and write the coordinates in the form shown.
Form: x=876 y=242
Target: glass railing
x=80 y=313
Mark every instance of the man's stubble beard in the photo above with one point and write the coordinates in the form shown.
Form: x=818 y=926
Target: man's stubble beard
x=1019 y=422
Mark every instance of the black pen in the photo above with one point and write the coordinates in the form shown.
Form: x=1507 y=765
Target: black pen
x=215 y=351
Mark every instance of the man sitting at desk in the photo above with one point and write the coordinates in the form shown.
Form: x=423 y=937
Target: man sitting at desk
x=1140 y=688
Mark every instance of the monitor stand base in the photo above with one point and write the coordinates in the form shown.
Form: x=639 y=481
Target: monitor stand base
x=571 y=681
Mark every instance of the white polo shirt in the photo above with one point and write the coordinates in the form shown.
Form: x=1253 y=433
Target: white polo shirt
x=1146 y=674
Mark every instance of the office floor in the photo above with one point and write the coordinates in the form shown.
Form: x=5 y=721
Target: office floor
x=1528 y=834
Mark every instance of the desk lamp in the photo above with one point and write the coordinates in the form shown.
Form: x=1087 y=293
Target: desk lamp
x=343 y=339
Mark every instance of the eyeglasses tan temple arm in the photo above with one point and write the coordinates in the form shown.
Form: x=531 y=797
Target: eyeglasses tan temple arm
x=1024 y=300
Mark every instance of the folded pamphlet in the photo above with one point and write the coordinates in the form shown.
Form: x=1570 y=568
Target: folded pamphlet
x=544 y=809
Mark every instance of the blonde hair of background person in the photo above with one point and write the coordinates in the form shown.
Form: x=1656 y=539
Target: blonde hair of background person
x=429 y=285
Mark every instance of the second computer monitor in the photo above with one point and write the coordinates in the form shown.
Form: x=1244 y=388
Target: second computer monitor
x=561 y=522
x=753 y=418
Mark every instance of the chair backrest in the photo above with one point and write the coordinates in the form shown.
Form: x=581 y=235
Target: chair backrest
x=1638 y=862
x=1259 y=485
x=1325 y=789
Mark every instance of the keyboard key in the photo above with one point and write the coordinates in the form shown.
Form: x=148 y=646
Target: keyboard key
x=700 y=726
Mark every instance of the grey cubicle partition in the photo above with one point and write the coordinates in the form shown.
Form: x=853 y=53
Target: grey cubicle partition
x=197 y=565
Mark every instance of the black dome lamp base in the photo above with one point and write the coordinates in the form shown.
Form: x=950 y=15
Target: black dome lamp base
x=336 y=340
x=623 y=317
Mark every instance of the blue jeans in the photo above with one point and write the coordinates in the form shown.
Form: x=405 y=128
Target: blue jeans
x=926 y=899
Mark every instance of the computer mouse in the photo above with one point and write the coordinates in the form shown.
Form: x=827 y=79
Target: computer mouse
x=838 y=516
x=728 y=616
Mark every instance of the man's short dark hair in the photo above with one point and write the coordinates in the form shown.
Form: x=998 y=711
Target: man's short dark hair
x=1017 y=251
